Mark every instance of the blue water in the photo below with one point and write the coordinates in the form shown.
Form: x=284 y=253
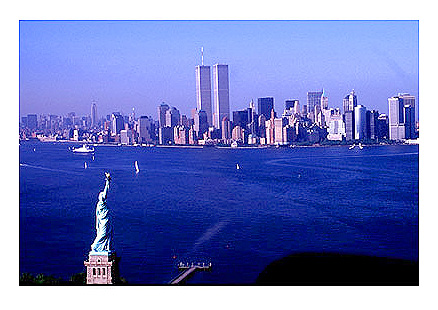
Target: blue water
x=193 y=205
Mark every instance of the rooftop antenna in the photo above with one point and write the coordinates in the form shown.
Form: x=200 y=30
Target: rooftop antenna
x=202 y=56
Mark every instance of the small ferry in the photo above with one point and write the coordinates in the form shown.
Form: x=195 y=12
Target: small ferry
x=84 y=149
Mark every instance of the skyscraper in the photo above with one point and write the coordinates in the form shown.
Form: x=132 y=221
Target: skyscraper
x=382 y=127
x=221 y=94
x=32 y=122
x=349 y=102
x=293 y=104
x=401 y=117
x=172 y=117
x=360 y=121
x=145 y=129
x=240 y=118
x=279 y=123
x=200 y=124
x=349 y=125
x=203 y=91
x=117 y=123
x=226 y=129
x=372 y=117
x=313 y=99
x=324 y=101
x=93 y=114
x=265 y=106
x=162 y=114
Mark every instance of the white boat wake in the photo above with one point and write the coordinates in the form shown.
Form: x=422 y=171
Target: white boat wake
x=209 y=233
x=48 y=169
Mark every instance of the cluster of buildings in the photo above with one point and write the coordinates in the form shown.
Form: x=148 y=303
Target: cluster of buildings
x=212 y=122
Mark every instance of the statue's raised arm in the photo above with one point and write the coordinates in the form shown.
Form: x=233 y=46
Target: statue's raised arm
x=107 y=182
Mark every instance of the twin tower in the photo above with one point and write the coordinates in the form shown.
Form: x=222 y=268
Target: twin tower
x=221 y=97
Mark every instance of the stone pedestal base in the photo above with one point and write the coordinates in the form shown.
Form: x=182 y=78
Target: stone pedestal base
x=102 y=268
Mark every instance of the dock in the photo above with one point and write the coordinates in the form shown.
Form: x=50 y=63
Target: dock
x=188 y=270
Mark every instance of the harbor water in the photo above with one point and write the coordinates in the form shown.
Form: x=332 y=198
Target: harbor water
x=194 y=205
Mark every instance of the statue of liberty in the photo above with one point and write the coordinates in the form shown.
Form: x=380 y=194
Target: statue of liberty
x=103 y=241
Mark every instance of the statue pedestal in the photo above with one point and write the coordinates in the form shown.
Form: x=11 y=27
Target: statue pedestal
x=102 y=268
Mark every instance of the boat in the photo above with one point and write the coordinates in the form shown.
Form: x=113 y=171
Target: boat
x=234 y=144
x=360 y=146
x=85 y=165
x=352 y=147
x=237 y=166
x=84 y=149
x=137 y=170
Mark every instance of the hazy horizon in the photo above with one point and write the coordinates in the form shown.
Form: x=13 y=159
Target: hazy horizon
x=65 y=65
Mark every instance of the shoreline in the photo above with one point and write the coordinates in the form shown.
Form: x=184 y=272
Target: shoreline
x=290 y=146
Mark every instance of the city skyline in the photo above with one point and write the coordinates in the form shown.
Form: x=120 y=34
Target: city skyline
x=103 y=61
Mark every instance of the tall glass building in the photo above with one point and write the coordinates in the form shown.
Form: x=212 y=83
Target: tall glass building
x=360 y=122
x=402 y=117
x=265 y=106
x=313 y=99
x=349 y=102
x=221 y=94
x=203 y=91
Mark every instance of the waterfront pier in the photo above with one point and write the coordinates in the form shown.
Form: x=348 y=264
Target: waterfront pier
x=188 y=270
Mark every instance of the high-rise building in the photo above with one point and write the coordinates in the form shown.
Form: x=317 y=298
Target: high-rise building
x=226 y=129
x=349 y=125
x=349 y=102
x=262 y=126
x=203 y=91
x=237 y=134
x=32 y=122
x=304 y=113
x=410 y=132
x=125 y=136
x=324 y=101
x=382 y=127
x=252 y=119
x=360 y=122
x=117 y=123
x=180 y=135
x=265 y=106
x=270 y=131
x=162 y=114
x=401 y=117
x=145 y=128
x=221 y=94
x=279 y=123
x=200 y=123
x=165 y=135
x=94 y=118
x=290 y=104
x=184 y=121
x=289 y=134
x=240 y=118
x=24 y=121
x=336 y=127
x=313 y=99
x=372 y=117
x=172 y=117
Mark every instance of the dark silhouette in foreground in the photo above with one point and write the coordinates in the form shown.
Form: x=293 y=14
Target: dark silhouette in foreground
x=339 y=269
